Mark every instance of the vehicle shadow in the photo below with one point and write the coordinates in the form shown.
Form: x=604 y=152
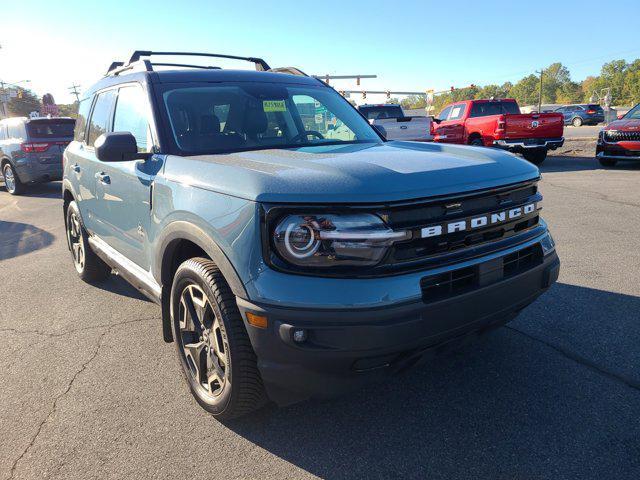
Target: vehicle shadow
x=43 y=190
x=508 y=407
x=119 y=286
x=566 y=163
x=21 y=238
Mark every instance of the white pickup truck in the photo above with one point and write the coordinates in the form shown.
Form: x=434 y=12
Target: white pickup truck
x=395 y=124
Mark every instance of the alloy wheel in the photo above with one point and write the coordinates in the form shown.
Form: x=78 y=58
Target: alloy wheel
x=9 y=179
x=203 y=342
x=74 y=234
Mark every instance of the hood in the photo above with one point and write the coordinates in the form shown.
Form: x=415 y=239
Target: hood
x=356 y=173
x=627 y=125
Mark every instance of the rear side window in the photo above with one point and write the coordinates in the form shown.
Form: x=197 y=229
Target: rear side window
x=81 y=122
x=100 y=117
x=16 y=131
x=131 y=115
x=50 y=129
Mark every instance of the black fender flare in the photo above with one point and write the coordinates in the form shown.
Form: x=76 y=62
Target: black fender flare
x=183 y=230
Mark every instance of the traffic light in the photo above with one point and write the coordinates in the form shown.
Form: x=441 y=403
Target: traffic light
x=388 y=94
x=20 y=93
x=364 y=95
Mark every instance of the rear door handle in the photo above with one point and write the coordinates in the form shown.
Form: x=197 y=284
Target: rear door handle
x=103 y=178
x=75 y=167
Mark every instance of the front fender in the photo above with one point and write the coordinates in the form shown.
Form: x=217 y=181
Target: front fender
x=184 y=230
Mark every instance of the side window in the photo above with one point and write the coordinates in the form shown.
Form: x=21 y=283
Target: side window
x=444 y=113
x=131 y=115
x=16 y=131
x=100 y=117
x=81 y=122
x=3 y=134
x=456 y=112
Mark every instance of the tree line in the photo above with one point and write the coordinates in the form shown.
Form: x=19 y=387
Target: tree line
x=620 y=77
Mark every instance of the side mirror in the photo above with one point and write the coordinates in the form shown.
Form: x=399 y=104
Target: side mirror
x=381 y=130
x=118 y=147
x=620 y=117
x=437 y=120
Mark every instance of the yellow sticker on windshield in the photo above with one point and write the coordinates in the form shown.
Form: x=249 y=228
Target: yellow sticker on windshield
x=274 y=106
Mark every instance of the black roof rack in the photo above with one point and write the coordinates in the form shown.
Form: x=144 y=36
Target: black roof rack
x=118 y=67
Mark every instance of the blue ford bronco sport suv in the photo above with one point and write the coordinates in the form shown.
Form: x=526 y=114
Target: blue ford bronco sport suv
x=294 y=252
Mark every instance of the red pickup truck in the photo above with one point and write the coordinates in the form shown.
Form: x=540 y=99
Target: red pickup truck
x=499 y=123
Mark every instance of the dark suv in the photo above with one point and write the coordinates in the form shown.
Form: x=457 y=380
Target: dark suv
x=31 y=150
x=290 y=261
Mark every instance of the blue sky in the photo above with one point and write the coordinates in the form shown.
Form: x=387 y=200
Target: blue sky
x=410 y=45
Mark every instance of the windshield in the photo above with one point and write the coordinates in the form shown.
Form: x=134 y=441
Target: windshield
x=51 y=128
x=250 y=116
x=634 y=113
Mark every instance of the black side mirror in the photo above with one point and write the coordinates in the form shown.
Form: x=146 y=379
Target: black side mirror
x=437 y=120
x=118 y=147
x=381 y=130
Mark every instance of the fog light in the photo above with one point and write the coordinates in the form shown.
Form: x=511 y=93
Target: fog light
x=548 y=245
x=299 y=335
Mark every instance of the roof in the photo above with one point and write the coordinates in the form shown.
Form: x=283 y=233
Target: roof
x=201 y=75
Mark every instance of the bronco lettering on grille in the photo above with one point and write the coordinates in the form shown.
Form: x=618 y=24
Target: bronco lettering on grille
x=472 y=223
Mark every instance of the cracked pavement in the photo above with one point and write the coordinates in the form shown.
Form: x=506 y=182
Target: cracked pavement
x=88 y=389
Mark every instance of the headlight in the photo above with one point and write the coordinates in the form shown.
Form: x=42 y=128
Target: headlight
x=334 y=240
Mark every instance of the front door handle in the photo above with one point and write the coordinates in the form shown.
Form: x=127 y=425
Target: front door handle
x=75 y=167
x=103 y=178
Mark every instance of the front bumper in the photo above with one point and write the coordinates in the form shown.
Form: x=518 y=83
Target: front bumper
x=347 y=347
x=618 y=151
x=523 y=144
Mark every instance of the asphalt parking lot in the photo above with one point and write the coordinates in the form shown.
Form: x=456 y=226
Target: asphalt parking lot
x=89 y=389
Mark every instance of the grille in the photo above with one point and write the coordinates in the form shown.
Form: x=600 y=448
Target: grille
x=620 y=136
x=457 y=282
x=458 y=244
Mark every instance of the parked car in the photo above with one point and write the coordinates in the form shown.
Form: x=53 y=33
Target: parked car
x=31 y=150
x=499 y=123
x=395 y=124
x=620 y=140
x=288 y=265
x=578 y=115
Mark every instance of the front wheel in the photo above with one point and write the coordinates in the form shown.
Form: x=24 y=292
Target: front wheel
x=536 y=156
x=11 y=181
x=577 y=122
x=213 y=346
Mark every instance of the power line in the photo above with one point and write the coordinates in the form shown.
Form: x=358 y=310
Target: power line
x=74 y=91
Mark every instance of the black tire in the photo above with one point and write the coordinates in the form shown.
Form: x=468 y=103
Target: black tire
x=535 y=156
x=89 y=266
x=576 y=122
x=605 y=162
x=477 y=142
x=12 y=183
x=227 y=355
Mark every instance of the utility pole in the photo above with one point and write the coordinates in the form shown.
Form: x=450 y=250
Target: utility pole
x=540 y=92
x=74 y=91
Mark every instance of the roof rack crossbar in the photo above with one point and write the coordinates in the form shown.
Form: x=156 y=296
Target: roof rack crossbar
x=186 y=65
x=260 y=64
